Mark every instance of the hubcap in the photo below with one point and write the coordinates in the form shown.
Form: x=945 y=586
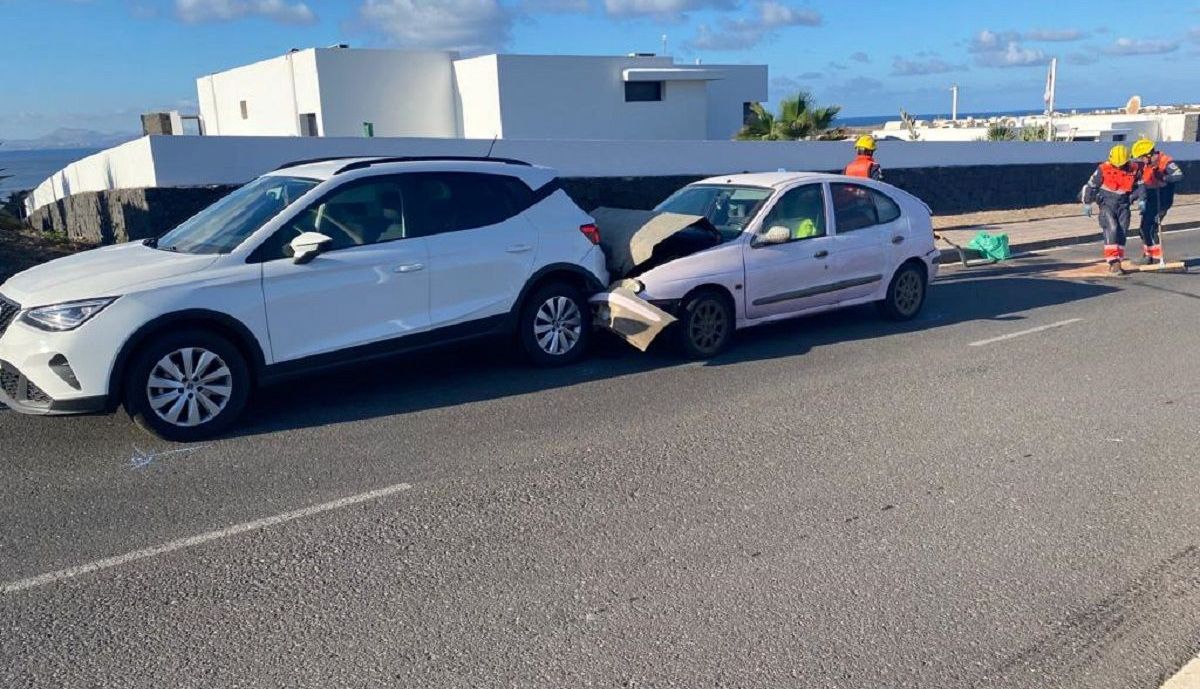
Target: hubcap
x=558 y=326
x=189 y=386
x=908 y=292
x=708 y=326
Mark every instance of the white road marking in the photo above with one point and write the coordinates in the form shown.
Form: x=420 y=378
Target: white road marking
x=199 y=539
x=1021 y=333
x=1188 y=677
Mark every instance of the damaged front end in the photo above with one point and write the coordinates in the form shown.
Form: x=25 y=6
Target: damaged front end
x=634 y=242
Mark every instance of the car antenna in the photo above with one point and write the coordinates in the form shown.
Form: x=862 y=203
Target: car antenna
x=489 y=153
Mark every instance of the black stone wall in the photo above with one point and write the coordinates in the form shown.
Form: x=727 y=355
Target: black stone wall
x=126 y=214
x=122 y=215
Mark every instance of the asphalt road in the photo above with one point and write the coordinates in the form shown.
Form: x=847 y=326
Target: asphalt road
x=838 y=502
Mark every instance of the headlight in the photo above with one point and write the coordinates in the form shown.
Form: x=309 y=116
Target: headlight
x=66 y=316
x=632 y=285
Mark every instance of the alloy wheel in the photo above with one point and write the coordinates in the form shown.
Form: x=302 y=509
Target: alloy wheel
x=558 y=325
x=708 y=325
x=908 y=292
x=189 y=386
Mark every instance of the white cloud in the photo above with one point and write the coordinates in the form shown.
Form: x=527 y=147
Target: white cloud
x=907 y=67
x=1125 y=47
x=470 y=26
x=774 y=14
x=747 y=32
x=1003 y=49
x=555 y=6
x=664 y=10
x=196 y=11
x=1056 y=35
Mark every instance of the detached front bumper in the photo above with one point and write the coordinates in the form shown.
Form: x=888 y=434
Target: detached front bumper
x=22 y=395
x=630 y=317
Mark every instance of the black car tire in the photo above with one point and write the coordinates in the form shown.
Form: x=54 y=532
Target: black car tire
x=226 y=358
x=554 y=327
x=905 y=294
x=705 y=326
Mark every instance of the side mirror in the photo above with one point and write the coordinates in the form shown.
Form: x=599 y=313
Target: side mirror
x=777 y=234
x=306 y=247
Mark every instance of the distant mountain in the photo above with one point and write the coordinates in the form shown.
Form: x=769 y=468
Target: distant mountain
x=67 y=137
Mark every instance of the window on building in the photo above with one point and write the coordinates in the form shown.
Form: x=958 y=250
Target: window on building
x=245 y=110
x=643 y=91
x=308 y=124
x=1118 y=137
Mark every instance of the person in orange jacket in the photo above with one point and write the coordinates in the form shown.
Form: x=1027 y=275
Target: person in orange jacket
x=1115 y=186
x=864 y=164
x=1160 y=174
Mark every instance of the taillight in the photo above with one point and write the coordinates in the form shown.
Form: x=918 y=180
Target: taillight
x=591 y=232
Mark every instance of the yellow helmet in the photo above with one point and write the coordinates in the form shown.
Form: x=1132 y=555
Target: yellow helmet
x=1142 y=147
x=1118 y=156
x=866 y=142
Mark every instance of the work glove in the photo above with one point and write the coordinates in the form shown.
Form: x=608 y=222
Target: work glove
x=1087 y=209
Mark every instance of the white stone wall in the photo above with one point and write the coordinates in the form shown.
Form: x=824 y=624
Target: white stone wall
x=170 y=161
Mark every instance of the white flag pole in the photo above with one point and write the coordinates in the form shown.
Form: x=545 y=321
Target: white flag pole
x=1051 y=85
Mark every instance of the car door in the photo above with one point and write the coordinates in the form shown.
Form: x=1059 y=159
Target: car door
x=862 y=237
x=481 y=250
x=791 y=277
x=369 y=286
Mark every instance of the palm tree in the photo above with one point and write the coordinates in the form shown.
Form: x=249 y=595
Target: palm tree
x=798 y=118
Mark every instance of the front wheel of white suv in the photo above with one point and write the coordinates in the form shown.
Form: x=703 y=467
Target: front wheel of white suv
x=187 y=385
x=555 y=325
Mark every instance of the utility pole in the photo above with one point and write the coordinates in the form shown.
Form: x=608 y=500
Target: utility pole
x=954 y=103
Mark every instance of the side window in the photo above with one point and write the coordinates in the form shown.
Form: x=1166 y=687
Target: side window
x=886 y=208
x=853 y=207
x=801 y=211
x=357 y=214
x=438 y=202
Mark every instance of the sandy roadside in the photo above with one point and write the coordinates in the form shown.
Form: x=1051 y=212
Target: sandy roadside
x=1063 y=210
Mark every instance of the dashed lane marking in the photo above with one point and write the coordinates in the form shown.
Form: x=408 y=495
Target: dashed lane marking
x=1022 y=333
x=199 y=539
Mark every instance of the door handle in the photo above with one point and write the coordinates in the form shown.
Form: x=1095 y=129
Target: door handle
x=821 y=254
x=518 y=248
x=897 y=239
x=409 y=267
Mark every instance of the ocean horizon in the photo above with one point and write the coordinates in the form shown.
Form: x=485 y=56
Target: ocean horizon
x=30 y=168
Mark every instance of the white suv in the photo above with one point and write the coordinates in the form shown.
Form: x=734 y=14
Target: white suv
x=317 y=263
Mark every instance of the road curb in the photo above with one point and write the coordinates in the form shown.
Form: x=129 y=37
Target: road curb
x=950 y=255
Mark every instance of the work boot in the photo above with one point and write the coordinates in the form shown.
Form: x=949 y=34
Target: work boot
x=1114 y=268
x=1148 y=260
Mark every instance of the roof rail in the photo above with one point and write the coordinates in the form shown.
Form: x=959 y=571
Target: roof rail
x=309 y=161
x=362 y=164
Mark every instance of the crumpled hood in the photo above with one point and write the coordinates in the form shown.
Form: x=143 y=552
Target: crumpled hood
x=105 y=272
x=632 y=239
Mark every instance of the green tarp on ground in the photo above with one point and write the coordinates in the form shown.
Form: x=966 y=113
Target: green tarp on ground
x=993 y=246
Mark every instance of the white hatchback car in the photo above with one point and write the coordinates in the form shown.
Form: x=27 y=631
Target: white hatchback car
x=787 y=244
x=317 y=263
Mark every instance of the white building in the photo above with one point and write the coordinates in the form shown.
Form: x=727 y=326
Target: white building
x=1158 y=124
x=392 y=93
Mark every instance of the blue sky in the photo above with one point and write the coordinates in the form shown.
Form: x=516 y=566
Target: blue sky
x=99 y=63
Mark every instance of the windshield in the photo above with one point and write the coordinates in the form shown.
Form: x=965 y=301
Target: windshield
x=728 y=208
x=221 y=227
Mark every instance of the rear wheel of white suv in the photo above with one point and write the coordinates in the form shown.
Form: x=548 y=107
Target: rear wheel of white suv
x=187 y=385
x=555 y=325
